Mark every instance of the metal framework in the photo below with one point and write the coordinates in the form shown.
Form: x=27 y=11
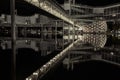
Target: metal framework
x=52 y=8
x=46 y=67
x=94 y=34
x=108 y=13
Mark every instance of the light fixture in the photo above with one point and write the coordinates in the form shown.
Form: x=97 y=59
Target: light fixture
x=35 y=0
x=113 y=15
x=111 y=53
x=35 y=73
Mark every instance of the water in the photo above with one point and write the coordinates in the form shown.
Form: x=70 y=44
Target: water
x=5 y=66
x=86 y=71
x=28 y=61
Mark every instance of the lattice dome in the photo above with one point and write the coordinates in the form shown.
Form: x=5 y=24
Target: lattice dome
x=96 y=39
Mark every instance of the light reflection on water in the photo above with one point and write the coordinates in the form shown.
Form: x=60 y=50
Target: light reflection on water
x=105 y=47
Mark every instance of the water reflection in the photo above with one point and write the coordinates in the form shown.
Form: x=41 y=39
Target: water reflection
x=96 y=40
x=94 y=47
x=98 y=43
x=94 y=43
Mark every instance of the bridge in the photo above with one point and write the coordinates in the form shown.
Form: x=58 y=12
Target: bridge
x=45 y=24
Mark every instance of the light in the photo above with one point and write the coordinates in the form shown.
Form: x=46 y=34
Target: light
x=41 y=69
x=26 y=41
x=35 y=73
x=34 y=0
x=111 y=53
x=80 y=28
x=65 y=37
x=28 y=78
x=113 y=15
x=44 y=66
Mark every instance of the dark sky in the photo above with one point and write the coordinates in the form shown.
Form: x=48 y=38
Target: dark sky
x=94 y=2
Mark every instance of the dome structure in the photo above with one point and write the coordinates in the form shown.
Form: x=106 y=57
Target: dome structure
x=95 y=33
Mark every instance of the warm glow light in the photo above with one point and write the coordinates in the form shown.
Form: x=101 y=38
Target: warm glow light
x=114 y=15
x=35 y=73
x=111 y=53
x=80 y=28
x=65 y=37
x=34 y=0
x=80 y=37
x=28 y=79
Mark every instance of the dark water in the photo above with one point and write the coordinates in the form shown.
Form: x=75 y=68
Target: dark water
x=28 y=61
x=86 y=71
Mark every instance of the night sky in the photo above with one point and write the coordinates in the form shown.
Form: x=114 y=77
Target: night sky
x=94 y=2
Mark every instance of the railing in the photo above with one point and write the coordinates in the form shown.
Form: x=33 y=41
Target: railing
x=46 y=67
x=53 y=9
x=109 y=12
x=111 y=57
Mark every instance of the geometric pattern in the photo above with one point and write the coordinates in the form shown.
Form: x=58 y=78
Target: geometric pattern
x=97 y=26
x=95 y=39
